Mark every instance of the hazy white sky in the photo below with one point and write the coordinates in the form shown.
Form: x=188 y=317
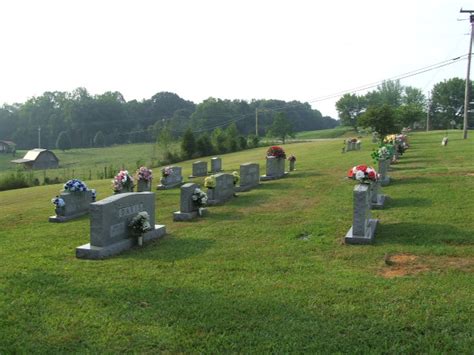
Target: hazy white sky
x=290 y=50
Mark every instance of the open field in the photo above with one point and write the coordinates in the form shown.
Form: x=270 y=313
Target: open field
x=267 y=272
x=341 y=131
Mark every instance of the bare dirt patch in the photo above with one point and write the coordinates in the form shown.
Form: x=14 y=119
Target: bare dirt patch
x=398 y=265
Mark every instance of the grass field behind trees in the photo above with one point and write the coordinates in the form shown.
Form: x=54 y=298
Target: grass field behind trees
x=266 y=272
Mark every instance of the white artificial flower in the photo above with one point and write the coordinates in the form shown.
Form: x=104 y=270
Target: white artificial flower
x=360 y=175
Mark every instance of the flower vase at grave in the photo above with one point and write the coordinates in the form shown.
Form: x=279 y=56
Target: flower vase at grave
x=60 y=211
x=143 y=186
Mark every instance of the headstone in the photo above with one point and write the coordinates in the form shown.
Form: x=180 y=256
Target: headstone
x=188 y=210
x=377 y=199
x=109 y=220
x=383 y=171
x=348 y=146
x=199 y=169
x=173 y=180
x=292 y=165
x=275 y=168
x=357 y=145
x=363 y=227
x=216 y=165
x=76 y=205
x=143 y=185
x=249 y=177
x=223 y=191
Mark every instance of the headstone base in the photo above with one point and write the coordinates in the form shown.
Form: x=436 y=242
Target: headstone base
x=196 y=176
x=362 y=239
x=245 y=188
x=272 y=177
x=60 y=219
x=189 y=216
x=170 y=186
x=218 y=202
x=380 y=202
x=88 y=251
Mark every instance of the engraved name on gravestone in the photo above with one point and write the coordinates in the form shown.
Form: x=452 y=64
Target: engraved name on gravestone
x=363 y=227
x=173 y=180
x=216 y=165
x=223 y=191
x=109 y=220
x=199 y=168
x=76 y=205
x=249 y=176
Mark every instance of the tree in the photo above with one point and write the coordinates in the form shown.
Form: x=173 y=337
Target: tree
x=99 y=139
x=63 y=141
x=281 y=127
x=349 y=107
x=188 y=144
x=407 y=115
x=447 y=100
x=231 y=136
x=204 y=145
x=218 y=140
x=381 y=119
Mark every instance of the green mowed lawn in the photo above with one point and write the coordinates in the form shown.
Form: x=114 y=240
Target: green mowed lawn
x=266 y=272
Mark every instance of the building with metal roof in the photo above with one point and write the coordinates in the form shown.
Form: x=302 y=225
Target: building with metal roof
x=38 y=159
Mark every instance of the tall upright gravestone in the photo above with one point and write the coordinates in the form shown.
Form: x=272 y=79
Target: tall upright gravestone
x=76 y=205
x=216 y=165
x=363 y=227
x=199 y=169
x=249 y=177
x=109 y=224
x=188 y=210
x=383 y=171
x=223 y=191
x=377 y=199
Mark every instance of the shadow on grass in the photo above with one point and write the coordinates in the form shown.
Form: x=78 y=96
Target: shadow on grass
x=410 y=180
x=404 y=168
x=408 y=202
x=422 y=234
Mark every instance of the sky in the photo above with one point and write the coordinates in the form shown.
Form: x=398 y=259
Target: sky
x=248 y=49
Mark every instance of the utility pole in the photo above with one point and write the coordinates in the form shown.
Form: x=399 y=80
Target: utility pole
x=39 y=137
x=428 y=109
x=468 y=88
x=256 y=122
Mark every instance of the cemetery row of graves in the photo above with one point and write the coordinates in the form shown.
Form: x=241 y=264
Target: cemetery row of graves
x=127 y=218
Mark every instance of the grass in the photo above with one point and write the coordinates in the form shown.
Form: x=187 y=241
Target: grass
x=265 y=273
x=340 y=131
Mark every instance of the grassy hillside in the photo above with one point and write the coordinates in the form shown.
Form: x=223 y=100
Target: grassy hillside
x=340 y=131
x=267 y=272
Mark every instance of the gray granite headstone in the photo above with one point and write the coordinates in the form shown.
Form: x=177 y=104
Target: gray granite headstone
x=143 y=186
x=275 y=168
x=173 y=180
x=109 y=220
x=377 y=199
x=357 y=145
x=199 y=169
x=249 y=177
x=188 y=210
x=223 y=191
x=76 y=205
x=363 y=227
x=216 y=165
x=383 y=171
x=348 y=146
x=292 y=165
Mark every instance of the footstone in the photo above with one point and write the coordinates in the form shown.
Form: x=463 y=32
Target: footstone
x=363 y=227
x=249 y=177
x=223 y=191
x=199 y=169
x=188 y=210
x=175 y=179
x=76 y=205
x=275 y=168
x=109 y=220
x=216 y=165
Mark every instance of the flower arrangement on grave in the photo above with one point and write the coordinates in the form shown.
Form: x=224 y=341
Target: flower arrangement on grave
x=144 y=174
x=353 y=140
x=276 y=151
x=383 y=152
x=210 y=182
x=75 y=185
x=236 y=177
x=363 y=173
x=58 y=202
x=166 y=171
x=199 y=197
x=122 y=181
x=292 y=158
x=94 y=195
x=139 y=225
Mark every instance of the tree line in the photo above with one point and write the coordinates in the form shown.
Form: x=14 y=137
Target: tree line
x=393 y=106
x=78 y=119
